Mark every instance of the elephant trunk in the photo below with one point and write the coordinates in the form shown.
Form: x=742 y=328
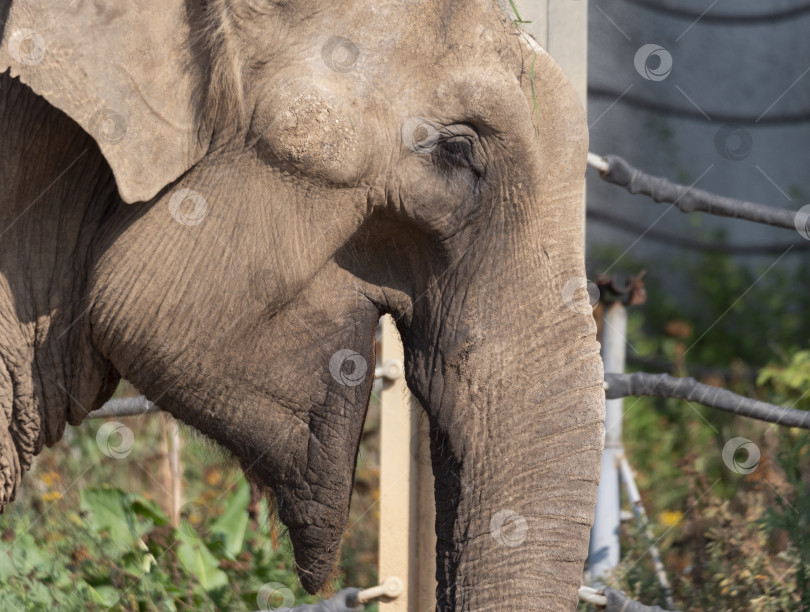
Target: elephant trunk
x=513 y=383
x=517 y=462
x=517 y=399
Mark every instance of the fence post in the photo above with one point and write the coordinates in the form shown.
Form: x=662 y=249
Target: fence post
x=603 y=552
x=407 y=510
x=615 y=296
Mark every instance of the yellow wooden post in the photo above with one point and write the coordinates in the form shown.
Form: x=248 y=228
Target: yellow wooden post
x=407 y=511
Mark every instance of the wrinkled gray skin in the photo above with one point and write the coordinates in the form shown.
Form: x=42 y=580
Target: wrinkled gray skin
x=318 y=209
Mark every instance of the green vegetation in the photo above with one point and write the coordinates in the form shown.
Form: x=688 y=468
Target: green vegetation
x=729 y=541
x=517 y=18
x=89 y=533
x=116 y=550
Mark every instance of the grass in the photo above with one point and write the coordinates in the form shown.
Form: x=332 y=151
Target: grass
x=517 y=15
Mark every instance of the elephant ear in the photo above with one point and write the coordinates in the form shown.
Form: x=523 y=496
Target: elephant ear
x=125 y=70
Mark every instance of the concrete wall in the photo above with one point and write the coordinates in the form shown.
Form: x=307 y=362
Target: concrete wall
x=731 y=114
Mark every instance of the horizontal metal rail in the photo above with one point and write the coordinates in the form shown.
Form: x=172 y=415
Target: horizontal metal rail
x=124 y=407
x=664 y=385
x=134 y=406
x=616 y=385
x=618 y=171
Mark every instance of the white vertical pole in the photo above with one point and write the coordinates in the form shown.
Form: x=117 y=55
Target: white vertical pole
x=407 y=511
x=603 y=554
x=634 y=498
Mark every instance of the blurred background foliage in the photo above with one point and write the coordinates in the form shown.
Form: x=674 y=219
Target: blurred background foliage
x=728 y=541
x=92 y=532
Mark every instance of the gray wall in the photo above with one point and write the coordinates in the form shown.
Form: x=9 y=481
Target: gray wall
x=732 y=115
x=754 y=74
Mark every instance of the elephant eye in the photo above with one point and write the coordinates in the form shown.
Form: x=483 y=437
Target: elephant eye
x=458 y=153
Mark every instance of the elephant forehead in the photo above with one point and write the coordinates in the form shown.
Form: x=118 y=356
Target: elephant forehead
x=450 y=61
x=407 y=57
x=383 y=43
x=430 y=38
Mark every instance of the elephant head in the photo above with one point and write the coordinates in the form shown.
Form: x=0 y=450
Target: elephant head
x=228 y=194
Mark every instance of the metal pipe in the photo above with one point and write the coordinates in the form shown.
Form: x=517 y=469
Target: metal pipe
x=392 y=587
x=603 y=551
x=597 y=162
x=123 y=407
x=641 y=518
x=591 y=596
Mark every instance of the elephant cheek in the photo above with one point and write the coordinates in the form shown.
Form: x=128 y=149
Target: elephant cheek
x=315 y=136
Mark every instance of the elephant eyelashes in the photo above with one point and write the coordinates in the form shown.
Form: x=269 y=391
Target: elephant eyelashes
x=457 y=153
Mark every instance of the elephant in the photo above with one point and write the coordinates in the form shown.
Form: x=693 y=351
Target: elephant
x=217 y=200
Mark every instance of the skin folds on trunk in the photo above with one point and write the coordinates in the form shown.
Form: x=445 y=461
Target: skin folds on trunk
x=522 y=485
x=517 y=410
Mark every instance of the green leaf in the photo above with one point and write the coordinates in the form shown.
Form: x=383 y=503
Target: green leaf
x=105 y=595
x=149 y=510
x=27 y=556
x=197 y=560
x=7 y=568
x=109 y=512
x=234 y=522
